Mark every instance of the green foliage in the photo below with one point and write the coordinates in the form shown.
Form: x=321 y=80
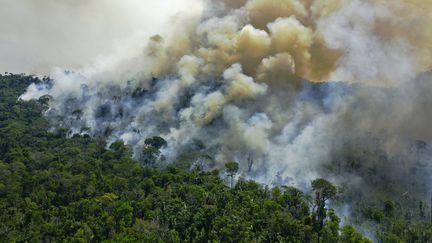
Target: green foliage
x=151 y=153
x=324 y=188
x=350 y=235
x=156 y=142
x=54 y=189
x=231 y=168
x=394 y=224
x=324 y=191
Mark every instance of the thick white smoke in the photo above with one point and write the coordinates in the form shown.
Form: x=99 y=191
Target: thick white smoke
x=231 y=81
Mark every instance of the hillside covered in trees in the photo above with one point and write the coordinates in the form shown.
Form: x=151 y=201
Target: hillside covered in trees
x=59 y=189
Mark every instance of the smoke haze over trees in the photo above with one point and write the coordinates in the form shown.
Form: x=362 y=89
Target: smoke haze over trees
x=76 y=190
x=232 y=82
x=290 y=90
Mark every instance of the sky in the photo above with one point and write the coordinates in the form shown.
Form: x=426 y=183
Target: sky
x=38 y=35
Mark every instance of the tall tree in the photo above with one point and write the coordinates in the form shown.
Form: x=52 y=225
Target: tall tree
x=324 y=191
x=232 y=169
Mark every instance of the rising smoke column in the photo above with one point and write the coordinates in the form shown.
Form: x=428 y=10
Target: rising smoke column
x=232 y=82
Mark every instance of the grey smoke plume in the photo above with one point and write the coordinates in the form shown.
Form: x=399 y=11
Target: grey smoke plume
x=231 y=81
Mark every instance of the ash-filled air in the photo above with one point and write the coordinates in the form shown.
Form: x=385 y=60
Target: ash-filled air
x=248 y=80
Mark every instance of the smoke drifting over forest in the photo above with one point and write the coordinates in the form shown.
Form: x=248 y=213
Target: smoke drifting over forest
x=304 y=89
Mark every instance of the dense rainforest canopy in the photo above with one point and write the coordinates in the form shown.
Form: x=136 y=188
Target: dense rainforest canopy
x=77 y=189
